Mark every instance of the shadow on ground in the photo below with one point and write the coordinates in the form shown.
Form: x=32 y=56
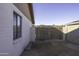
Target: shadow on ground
x=51 y=48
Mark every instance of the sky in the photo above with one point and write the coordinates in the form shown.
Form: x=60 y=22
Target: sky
x=55 y=13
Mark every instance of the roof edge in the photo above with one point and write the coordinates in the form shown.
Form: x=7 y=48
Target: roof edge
x=31 y=12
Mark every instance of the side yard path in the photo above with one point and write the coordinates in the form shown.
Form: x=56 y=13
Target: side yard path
x=50 y=48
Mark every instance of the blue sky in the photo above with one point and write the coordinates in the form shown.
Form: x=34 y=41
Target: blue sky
x=55 y=13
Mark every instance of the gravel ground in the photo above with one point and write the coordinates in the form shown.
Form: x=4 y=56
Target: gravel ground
x=51 y=48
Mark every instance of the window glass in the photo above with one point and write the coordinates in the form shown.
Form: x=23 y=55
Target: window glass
x=17 y=26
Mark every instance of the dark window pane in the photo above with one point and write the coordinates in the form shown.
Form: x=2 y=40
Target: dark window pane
x=17 y=24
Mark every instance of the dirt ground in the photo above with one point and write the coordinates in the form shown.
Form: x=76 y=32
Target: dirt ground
x=51 y=48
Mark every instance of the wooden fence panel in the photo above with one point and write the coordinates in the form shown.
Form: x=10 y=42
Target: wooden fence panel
x=48 y=33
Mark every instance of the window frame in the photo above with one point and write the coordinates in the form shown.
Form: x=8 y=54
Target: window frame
x=17 y=29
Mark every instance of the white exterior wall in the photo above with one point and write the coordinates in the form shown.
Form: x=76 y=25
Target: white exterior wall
x=65 y=30
x=7 y=45
x=72 y=33
x=33 y=34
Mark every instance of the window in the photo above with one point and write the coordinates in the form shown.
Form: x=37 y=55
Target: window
x=17 y=26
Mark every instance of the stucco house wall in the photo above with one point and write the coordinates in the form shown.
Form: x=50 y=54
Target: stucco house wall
x=8 y=46
x=72 y=33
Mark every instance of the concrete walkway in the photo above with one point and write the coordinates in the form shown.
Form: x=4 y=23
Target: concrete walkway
x=50 y=48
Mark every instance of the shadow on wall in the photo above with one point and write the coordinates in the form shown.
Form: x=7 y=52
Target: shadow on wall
x=73 y=36
x=49 y=33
